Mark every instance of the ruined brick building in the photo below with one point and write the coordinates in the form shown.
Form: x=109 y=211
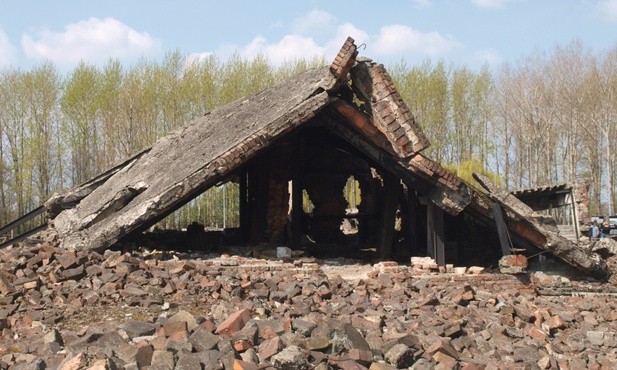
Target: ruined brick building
x=310 y=134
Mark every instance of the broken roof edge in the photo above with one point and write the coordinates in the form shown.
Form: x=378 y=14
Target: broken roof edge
x=563 y=187
x=529 y=225
x=372 y=85
x=108 y=231
x=59 y=202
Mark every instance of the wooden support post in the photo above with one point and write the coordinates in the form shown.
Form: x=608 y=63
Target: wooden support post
x=435 y=233
x=502 y=230
x=430 y=229
x=388 y=215
x=296 y=194
x=251 y=185
x=412 y=221
x=258 y=202
x=243 y=203
x=439 y=237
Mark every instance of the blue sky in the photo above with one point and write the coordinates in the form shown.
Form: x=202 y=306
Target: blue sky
x=463 y=32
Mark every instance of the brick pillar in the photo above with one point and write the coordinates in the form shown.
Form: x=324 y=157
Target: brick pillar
x=278 y=194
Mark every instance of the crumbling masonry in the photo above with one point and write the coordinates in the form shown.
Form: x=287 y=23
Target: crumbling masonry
x=311 y=133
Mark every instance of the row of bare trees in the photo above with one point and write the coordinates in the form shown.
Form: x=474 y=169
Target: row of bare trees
x=548 y=118
x=59 y=131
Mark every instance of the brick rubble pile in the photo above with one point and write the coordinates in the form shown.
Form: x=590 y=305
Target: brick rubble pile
x=67 y=310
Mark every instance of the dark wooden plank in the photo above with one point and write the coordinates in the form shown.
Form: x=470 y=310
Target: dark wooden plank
x=28 y=216
x=258 y=194
x=388 y=216
x=575 y=220
x=440 y=256
x=502 y=230
x=430 y=229
x=435 y=238
x=413 y=222
x=296 y=193
x=244 y=209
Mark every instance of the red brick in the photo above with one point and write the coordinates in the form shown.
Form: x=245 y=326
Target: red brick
x=243 y=365
x=537 y=334
x=269 y=347
x=235 y=322
x=399 y=132
x=556 y=322
x=176 y=329
x=444 y=347
x=360 y=355
x=242 y=345
x=267 y=333
x=6 y=287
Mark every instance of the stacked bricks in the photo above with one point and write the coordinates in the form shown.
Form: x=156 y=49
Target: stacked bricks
x=364 y=124
x=434 y=170
x=581 y=194
x=344 y=60
x=392 y=116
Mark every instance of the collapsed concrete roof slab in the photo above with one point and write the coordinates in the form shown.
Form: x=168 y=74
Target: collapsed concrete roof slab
x=187 y=161
x=181 y=165
x=149 y=186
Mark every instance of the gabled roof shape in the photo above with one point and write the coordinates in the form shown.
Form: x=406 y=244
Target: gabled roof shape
x=186 y=162
x=146 y=188
x=191 y=159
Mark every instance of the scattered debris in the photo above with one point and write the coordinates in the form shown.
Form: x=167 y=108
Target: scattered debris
x=192 y=310
x=513 y=264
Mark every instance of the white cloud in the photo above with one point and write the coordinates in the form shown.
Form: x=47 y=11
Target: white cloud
x=316 y=22
x=7 y=50
x=423 y=4
x=288 y=48
x=489 y=3
x=93 y=40
x=293 y=46
x=338 y=38
x=396 y=39
x=393 y=41
x=607 y=9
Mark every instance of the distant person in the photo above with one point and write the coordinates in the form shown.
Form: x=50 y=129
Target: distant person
x=594 y=231
x=605 y=230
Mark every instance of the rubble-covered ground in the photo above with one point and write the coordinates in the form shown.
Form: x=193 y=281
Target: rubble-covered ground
x=61 y=309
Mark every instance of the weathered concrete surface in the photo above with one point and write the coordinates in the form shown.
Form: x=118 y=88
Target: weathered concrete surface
x=184 y=163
